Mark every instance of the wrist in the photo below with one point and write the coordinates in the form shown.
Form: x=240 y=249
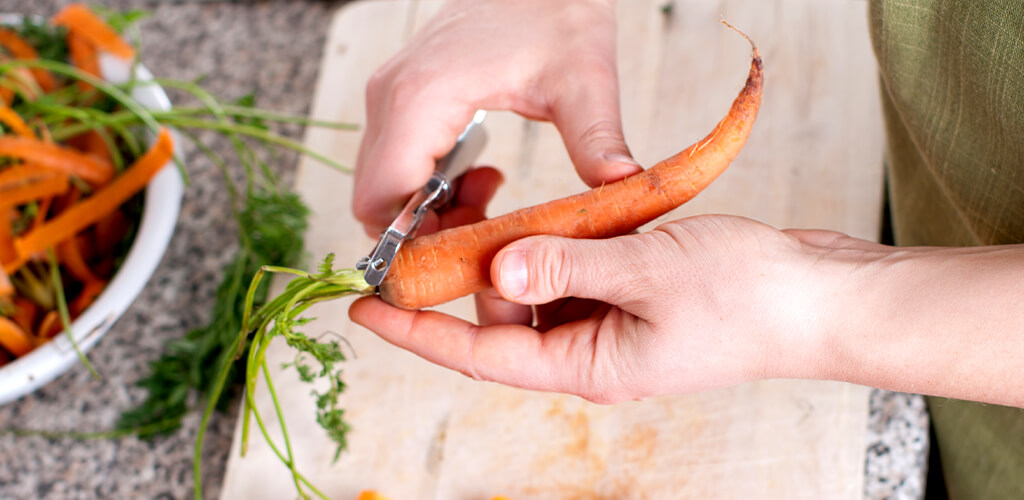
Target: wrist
x=831 y=296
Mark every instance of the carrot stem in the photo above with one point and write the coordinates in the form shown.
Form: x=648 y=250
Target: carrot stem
x=65 y=316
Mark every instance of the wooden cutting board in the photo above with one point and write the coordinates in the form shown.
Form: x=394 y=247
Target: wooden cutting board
x=423 y=432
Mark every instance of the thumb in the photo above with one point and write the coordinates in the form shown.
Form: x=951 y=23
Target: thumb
x=540 y=269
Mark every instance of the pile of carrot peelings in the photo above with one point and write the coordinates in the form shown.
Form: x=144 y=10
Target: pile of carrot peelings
x=64 y=202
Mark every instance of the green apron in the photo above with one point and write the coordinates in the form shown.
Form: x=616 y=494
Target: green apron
x=952 y=75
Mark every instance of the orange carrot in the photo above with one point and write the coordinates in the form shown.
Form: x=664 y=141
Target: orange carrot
x=109 y=231
x=443 y=266
x=101 y=203
x=58 y=158
x=84 y=57
x=80 y=21
x=13 y=121
x=69 y=254
x=35 y=189
x=370 y=495
x=50 y=326
x=43 y=210
x=21 y=49
x=86 y=297
x=6 y=287
x=24 y=313
x=8 y=255
x=12 y=338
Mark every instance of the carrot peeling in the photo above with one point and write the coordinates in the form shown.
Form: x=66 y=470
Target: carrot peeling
x=80 y=21
x=21 y=49
x=58 y=158
x=15 y=123
x=6 y=287
x=439 y=267
x=13 y=338
x=35 y=189
x=101 y=203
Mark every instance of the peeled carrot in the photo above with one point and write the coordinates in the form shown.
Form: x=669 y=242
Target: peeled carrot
x=101 y=203
x=80 y=21
x=436 y=268
x=21 y=49
x=13 y=338
x=53 y=157
x=13 y=121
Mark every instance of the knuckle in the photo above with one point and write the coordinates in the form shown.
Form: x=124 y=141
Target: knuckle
x=552 y=265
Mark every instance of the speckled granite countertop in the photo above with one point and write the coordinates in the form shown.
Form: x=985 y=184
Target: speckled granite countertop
x=271 y=48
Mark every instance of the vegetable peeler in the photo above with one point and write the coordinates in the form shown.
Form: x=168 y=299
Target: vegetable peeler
x=437 y=193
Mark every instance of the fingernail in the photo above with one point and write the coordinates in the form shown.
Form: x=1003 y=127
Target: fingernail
x=513 y=274
x=620 y=158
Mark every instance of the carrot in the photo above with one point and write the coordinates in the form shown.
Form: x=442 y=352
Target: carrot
x=370 y=495
x=84 y=57
x=70 y=256
x=86 y=297
x=8 y=255
x=24 y=313
x=34 y=189
x=80 y=21
x=12 y=120
x=58 y=158
x=21 y=49
x=43 y=210
x=109 y=231
x=13 y=338
x=433 y=269
x=6 y=287
x=101 y=203
x=50 y=326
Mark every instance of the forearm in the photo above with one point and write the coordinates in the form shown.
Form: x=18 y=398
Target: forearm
x=937 y=321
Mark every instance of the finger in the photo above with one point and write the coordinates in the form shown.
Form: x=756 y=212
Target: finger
x=475 y=190
x=562 y=311
x=493 y=309
x=561 y=360
x=540 y=269
x=398 y=154
x=590 y=122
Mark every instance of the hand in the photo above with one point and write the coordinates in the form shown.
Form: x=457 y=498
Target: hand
x=543 y=59
x=696 y=304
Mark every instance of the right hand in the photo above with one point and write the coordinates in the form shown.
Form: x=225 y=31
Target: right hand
x=546 y=60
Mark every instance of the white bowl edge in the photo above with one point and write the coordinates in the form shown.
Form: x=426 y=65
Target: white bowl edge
x=159 y=217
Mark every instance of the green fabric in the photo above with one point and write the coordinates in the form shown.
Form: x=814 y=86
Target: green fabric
x=953 y=100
